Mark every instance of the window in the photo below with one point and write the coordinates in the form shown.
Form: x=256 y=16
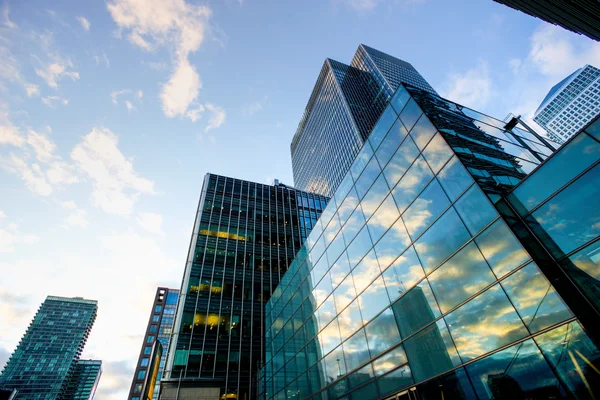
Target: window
x=141 y=374
x=144 y=362
x=147 y=350
x=155 y=318
x=150 y=339
x=153 y=328
x=158 y=309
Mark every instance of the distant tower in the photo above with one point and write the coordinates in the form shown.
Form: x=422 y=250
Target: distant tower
x=570 y=104
x=46 y=360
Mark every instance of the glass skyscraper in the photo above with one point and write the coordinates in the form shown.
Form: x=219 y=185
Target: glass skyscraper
x=160 y=328
x=344 y=105
x=245 y=236
x=458 y=259
x=570 y=104
x=85 y=380
x=46 y=359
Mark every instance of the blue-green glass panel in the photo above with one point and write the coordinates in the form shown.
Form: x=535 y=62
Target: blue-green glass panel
x=437 y=153
x=389 y=360
x=384 y=217
x=382 y=333
x=594 y=129
x=394 y=242
x=422 y=132
x=373 y=299
x=361 y=161
x=345 y=293
x=400 y=162
x=517 y=372
x=443 y=238
x=403 y=274
x=339 y=270
x=412 y=183
x=395 y=380
x=374 y=197
x=348 y=205
x=366 y=179
x=356 y=351
x=391 y=142
x=475 y=209
x=583 y=268
x=410 y=114
x=485 y=323
x=430 y=204
x=454 y=178
x=501 y=248
x=366 y=271
x=382 y=127
x=353 y=225
x=415 y=309
x=535 y=299
x=350 y=320
x=460 y=277
x=400 y=99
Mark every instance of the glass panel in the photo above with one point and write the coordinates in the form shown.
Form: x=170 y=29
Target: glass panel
x=415 y=180
x=484 y=324
x=348 y=206
x=425 y=209
x=336 y=248
x=415 y=309
x=329 y=337
x=368 y=391
x=382 y=333
x=460 y=277
x=339 y=270
x=345 y=293
x=443 y=238
x=403 y=274
x=410 y=114
x=475 y=209
x=332 y=229
x=373 y=299
x=391 y=142
x=395 y=380
x=353 y=225
x=374 y=197
x=389 y=360
x=583 y=268
x=535 y=299
x=361 y=160
x=361 y=376
x=382 y=126
x=359 y=246
x=431 y=352
x=385 y=216
x=454 y=385
x=573 y=158
x=594 y=129
x=501 y=249
x=454 y=178
x=343 y=189
x=356 y=351
x=572 y=217
x=422 y=132
x=350 y=320
x=519 y=372
x=400 y=99
x=366 y=179
x=574 y=357
x=401 y=161
x=366 y=271
x=437 y=153
x=335 y=364
x=392 y=244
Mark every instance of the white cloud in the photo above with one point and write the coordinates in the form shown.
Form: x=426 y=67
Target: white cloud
x=32 y=90
x=60 y=172
x=196 y=113
x=115 y=95
x=217 y=117
x=32 y=175
x=42 y=145
x=51 y=101
x=78 y=218
x=55 y=72
x=151 y=222
x=5 y=19
x=9 y=134
x=173 y=23
x=472 y=88
x=128 y=93
x=129 y=105
x=252 y=108
x=116 y=185
x=106 y=60
x=10 y=236
x=70 y=204
x=85 y=24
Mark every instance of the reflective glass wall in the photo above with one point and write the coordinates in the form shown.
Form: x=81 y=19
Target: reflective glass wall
x=411 y=279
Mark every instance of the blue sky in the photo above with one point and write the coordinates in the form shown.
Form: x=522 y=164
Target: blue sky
x=111 y=113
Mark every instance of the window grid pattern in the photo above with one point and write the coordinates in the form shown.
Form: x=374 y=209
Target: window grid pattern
x=245 y=236
x=85 y=379
x=413 y=274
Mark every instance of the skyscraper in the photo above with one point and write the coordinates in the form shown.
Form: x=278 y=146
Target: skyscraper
x=457 y=259
x=570 y=104
x=84 y=380
x=245 y=236
x=46 y=359
x=581 y=16
x=160 y=327
x=344 y=105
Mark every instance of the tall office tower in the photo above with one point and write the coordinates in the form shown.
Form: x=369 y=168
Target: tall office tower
x=46 y=358
x=160 y=327
x=458 y=259
x=581 y=16
x=245 y=236
x=84 y=380
x=570 y=104
x=344 y=105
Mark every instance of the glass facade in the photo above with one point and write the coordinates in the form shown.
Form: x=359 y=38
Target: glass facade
x=345 y=104
x=46 y=359
x=417 y=285
x=160 y=328
x=85 y=380
x=245 y=236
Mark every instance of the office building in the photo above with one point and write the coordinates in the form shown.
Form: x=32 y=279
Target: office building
x=344 y=105
x=570 y=104
x=458 y=259
x=7 y=394
x=245 y=236
x=84 y=380
x=579 y=16
x=159 y=329
x=45 y=360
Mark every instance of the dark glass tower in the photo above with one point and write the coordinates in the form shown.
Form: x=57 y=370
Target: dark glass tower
x=345 y=103
x=579 y=16
x=245 y=236
x=458 y=259
x=46 y=359
x=160 y=328
x=85 y=380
